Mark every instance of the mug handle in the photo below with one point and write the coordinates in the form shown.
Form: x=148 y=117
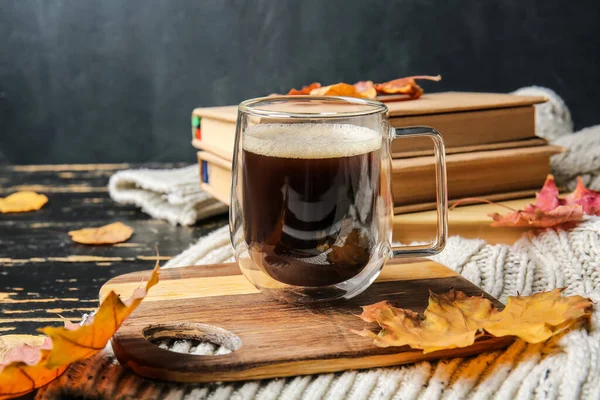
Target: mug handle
x=438 y=244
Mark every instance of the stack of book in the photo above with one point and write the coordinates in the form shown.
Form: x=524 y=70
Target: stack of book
x=492 y=151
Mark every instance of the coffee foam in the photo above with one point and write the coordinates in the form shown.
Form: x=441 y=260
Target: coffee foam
x=310 y=140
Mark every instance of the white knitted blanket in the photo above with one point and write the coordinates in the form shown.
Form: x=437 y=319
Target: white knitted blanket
x=173 y=195
x=567 y=366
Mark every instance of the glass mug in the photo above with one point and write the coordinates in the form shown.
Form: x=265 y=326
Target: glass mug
x=311 y=213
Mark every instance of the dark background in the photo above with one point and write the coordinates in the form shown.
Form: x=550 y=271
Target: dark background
x=116 y=80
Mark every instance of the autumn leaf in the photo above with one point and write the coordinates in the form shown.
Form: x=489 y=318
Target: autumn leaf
x=538 y=317
x=451 y=320
x=26 y=368
x=305 y=89
x=109 y=234
x=586 y=198
x=22 y=202
x=456 y=320
x=366 y=89
x=407 y=86
x=550 y=210
x=339 y=89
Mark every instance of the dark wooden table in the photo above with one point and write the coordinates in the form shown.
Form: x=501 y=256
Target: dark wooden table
x=43 y=274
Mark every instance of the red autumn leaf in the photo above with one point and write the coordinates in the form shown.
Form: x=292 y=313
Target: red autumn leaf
x=535 y=217
x=406 y=86
x=587 y=198
x=547 y=198
x=305 y=89
x=550 y=210
x=26 y=368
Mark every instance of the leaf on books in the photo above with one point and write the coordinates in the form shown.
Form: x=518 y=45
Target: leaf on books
x=366 y=89
x=305 y=89
x=340 y=89
x=407 y=86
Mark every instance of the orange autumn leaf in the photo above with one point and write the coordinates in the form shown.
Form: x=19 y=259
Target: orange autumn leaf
x=339 y=89
x=22 y=202
x=305 y=89
x=108 y=234
x=27 y=368
x=406 y=86
x=454 y=320
x=366 y=89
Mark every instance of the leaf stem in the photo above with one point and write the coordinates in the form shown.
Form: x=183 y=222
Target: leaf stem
x=479 y=200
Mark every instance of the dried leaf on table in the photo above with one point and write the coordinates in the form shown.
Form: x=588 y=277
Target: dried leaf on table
x=22 y=202
x=109 y=234
x=550 y=210
x=407 y=86
x=339 y=89
x=455 y=320
x=26 y=368
x=305 y=89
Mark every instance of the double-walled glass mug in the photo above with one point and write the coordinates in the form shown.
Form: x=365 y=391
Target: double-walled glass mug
x=311 y=211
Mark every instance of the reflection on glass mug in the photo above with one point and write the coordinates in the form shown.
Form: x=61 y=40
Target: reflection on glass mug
x=311 y=212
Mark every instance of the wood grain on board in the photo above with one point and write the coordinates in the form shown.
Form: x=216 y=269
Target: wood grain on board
x=270 y=338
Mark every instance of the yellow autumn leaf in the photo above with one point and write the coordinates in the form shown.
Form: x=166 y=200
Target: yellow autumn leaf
x=108 y=234
x=22 y=202
x=455 y=320
x=27 y=368
x=451 y=320
x=538 y=317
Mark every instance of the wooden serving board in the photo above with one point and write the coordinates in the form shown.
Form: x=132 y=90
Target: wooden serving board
x=277 y=339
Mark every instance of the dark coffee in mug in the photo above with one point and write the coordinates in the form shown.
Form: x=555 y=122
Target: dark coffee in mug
x=310 y=198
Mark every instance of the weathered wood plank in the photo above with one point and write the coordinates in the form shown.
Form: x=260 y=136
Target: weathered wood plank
x=43 y=273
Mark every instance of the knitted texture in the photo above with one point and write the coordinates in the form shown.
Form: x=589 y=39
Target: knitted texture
x=566 y=366
x=170 y=194
x=581 y=158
